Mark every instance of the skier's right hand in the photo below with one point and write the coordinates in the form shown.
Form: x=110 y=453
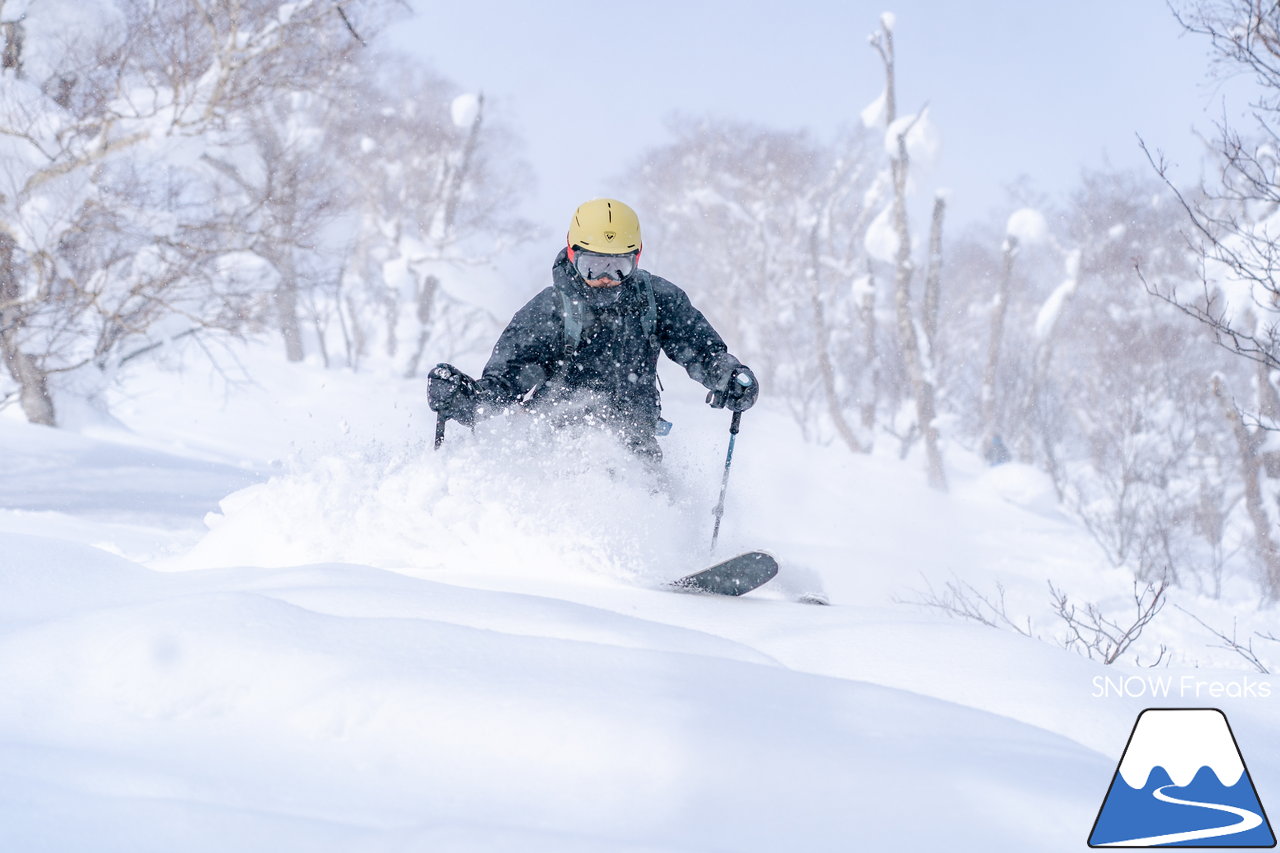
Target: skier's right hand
x=738 y=393
x=452 y=393
x=742 y=391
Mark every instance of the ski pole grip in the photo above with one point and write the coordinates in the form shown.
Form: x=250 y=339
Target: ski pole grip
x=736 y=423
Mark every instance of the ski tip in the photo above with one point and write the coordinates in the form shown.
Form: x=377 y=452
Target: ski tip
x=813 y=598
x=734 y=576
x=760 y=558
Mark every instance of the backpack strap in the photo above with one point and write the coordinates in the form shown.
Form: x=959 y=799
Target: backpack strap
x=650 y=319
x=577 y=316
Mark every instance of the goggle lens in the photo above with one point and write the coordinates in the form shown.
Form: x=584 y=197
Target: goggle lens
x=593 y=265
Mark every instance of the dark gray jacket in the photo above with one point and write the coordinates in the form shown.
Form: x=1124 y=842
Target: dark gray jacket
x=611 y=373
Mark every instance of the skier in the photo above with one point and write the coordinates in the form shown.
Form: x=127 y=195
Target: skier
x=585 y=349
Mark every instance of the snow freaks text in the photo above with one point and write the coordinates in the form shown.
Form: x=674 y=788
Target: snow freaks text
x=1178 y=687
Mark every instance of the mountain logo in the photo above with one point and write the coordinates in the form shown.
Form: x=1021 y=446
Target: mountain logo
x=1182 y=782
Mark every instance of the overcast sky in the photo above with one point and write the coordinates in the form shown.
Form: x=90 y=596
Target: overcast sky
x=1041 y=88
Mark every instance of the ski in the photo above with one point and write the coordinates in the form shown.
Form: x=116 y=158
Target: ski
x=735 y=576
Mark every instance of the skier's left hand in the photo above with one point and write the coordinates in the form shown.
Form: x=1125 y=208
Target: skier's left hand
x=452 y=393
x=739 y=393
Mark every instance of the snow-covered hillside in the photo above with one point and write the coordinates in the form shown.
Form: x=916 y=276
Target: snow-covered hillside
x=267 y=616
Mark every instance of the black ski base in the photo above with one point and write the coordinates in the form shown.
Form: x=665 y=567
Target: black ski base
x=735 y=576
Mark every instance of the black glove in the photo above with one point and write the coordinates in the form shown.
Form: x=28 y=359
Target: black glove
x=452 y=393
x=739 y=392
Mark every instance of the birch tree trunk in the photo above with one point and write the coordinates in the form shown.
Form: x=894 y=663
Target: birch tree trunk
x=999 y=309
x=921 y=382
x=822 y=347
x=1268 y=397
x=1047 y=331
x=870 y=399
x=33 y=381
x=933 y=280
x=1252 y=476
x=286 y=305
x=454 y=187
x=458 y=180
x=426 y=304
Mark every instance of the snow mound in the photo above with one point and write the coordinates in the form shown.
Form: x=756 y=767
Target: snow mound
x=343 y=708
x=1024 y=486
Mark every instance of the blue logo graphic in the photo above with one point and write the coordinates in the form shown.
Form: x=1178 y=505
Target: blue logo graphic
x=1182 y=782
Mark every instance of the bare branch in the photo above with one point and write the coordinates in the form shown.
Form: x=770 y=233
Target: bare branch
x=350 y=27
x=963 y=600
x=1232 y=643
x=1100 y=637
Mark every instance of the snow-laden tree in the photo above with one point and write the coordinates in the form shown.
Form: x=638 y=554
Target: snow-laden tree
x=283 y=193
x=796 y=241
x=1233 y=223
x=891 y=239
x=764 y=229
x=1145 y=443
x=433 y=194
x=113 y=230
x=1077 y=371
x=1002 y=281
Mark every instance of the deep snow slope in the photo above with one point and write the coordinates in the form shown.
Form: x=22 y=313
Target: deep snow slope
x=271 y=618
x=342 y=707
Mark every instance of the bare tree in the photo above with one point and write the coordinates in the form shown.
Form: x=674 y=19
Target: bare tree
x=286 y=194
x=1232 y=220
x=1232 y=227
x=991 y=373
x=11 y=38
x=33 y=382
x=963 y=600
x=1253 y=476
x=865 y=294
x=112 y=217
x=777 y=219
x=433 y=183
x=1090 y=630
x=1142 y=431
x=933 y=280
x=822 y=347
x=1232 y=642
x=1100 y=636
x=915 y=357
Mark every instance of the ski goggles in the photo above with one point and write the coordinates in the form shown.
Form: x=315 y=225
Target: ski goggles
x=594 y=265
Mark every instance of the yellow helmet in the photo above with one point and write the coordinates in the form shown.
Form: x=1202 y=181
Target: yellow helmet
x=606 y=226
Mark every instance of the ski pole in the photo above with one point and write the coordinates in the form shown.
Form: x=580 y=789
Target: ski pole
x=440 y=422
x=724 y=483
